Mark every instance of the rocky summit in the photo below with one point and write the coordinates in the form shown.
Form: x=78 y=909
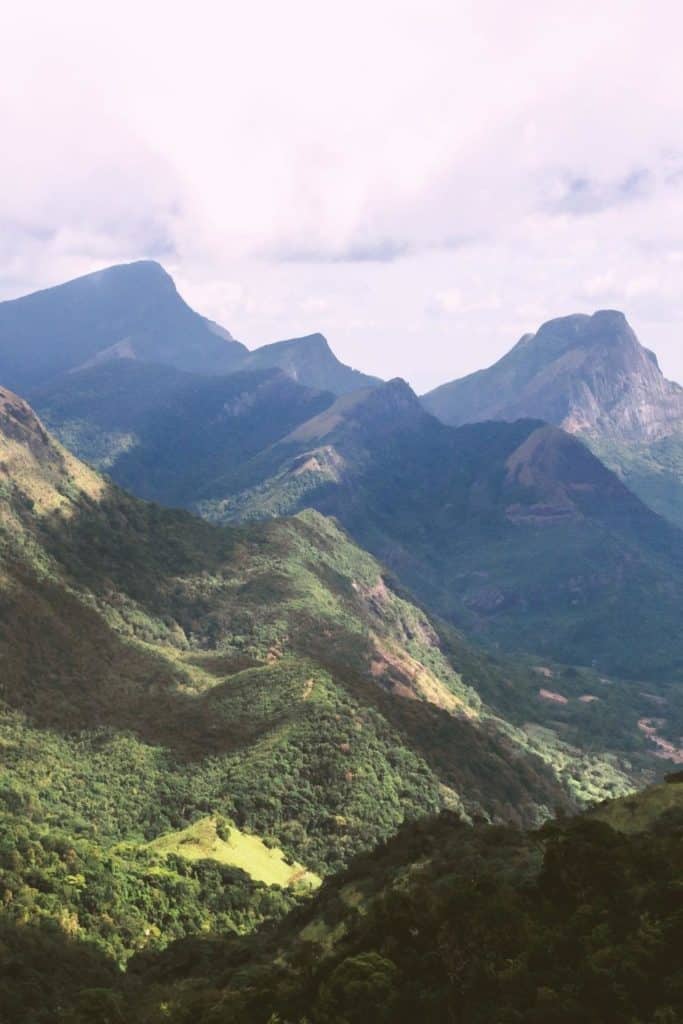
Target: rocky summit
x=587 y=374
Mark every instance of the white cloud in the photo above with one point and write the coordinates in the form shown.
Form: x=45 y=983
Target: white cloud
x=448 y=301
x=355 y=168
x=314 y=304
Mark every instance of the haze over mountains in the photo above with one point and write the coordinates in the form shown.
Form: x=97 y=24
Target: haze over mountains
x=513 y=531
x=134 y=312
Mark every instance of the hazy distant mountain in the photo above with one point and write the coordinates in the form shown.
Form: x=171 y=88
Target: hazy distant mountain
x=591 y=376
x=132 y=311
x=514 y=530
x=587 y=374
x=310 y=361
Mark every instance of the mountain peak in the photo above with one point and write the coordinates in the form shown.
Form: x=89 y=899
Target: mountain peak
x=378 y=411
x=389 y=408
x=310 y=361
x=608 y=324
x=399 y=394
x=138 y=273
x=114 y=279
x=586 y=373
x=131 y=310
x=613 y=317
x=139 y=268
x=316 y=342
x=395 y=392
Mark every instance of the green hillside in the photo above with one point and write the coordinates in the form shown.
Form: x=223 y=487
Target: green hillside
x=160 y=673
x=444 y=921
x=195 y=722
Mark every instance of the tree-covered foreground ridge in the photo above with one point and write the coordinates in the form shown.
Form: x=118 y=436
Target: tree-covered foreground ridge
x=578 y=920
x=200 y=725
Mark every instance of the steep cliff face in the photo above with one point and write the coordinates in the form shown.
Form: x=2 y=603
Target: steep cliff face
x=587 y=374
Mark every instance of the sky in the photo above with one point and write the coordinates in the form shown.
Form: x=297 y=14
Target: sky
x=423 y=182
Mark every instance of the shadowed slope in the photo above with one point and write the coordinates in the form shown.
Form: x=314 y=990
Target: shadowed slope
x=131 y=311
x=516 y=530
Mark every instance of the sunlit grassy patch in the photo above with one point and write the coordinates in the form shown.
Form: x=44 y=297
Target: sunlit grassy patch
x=202 y=841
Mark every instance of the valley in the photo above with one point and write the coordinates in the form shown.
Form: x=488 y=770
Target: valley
x=341 y=513
x=303 y=657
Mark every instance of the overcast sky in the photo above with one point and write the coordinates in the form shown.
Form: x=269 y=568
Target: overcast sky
x=423 y=182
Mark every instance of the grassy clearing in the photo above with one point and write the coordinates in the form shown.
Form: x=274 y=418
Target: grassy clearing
x=201 y=841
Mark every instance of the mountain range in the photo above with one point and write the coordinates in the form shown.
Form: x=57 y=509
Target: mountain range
x=506 y=527
x=510 y=530
x=312 y=628
x=514 y=531
x=134 y=312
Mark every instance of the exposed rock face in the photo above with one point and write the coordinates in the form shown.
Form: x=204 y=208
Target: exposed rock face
x=587 y=374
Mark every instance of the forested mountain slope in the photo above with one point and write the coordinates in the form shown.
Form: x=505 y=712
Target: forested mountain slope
x=579 y=920
x=515 y=531
x=191 y=713
x=163 y=433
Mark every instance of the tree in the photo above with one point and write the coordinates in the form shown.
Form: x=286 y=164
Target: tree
x=361 y=988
